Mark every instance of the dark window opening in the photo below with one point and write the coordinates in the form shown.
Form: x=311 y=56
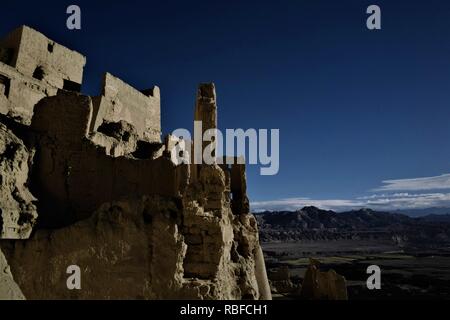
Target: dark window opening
x=6 y=55
x=71 y=86
x=38 y=73
x=5 y=84
x=50 y=47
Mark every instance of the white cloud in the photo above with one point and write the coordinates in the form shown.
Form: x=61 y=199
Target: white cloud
x=377 y=202
x=298 y=203
x=380 y=201
x=426 y=183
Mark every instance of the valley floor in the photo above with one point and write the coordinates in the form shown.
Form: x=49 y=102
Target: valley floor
x=405 y=273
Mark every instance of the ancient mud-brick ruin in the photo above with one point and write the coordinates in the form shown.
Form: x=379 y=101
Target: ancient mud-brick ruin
x=87 y=181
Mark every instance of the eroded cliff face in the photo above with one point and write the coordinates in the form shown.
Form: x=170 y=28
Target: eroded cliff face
x=89 y=183
x=151 y=247
x=17 y=211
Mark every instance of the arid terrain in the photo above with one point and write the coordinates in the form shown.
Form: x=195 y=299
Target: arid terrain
x=410 y=268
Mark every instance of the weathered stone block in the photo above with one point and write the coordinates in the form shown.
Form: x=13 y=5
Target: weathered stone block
x=120 y=101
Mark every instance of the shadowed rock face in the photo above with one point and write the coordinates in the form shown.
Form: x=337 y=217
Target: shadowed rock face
x=109 y=199
x=141 y=248
x=9 y=290
x=17 y=211
x=73 y=175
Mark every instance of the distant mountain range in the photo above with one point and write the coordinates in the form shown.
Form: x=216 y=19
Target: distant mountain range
x=425 y=211
x=311 y=223
x=445 y=218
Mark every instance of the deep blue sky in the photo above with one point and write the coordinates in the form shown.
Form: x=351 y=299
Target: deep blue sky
x=354 y=107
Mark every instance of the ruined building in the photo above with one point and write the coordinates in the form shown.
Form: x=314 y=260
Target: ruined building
x=88 y=181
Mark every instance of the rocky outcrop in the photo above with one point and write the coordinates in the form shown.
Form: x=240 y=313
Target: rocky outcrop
x=319 y=285
x=280 y=281
x=17 y=211
x=9 y=290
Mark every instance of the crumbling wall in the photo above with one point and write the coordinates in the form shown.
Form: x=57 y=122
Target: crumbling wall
x=137 y=247
x=206 y=112
x=32 y=50
x=9 y=47
x=206 y=107
x=115 y=249
x=33 y=67
x=206 y=237
x=238 y=185
x=19 y=94
x=142 y=225
x=110 y=197
x=74 y=175
x=120 y=101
